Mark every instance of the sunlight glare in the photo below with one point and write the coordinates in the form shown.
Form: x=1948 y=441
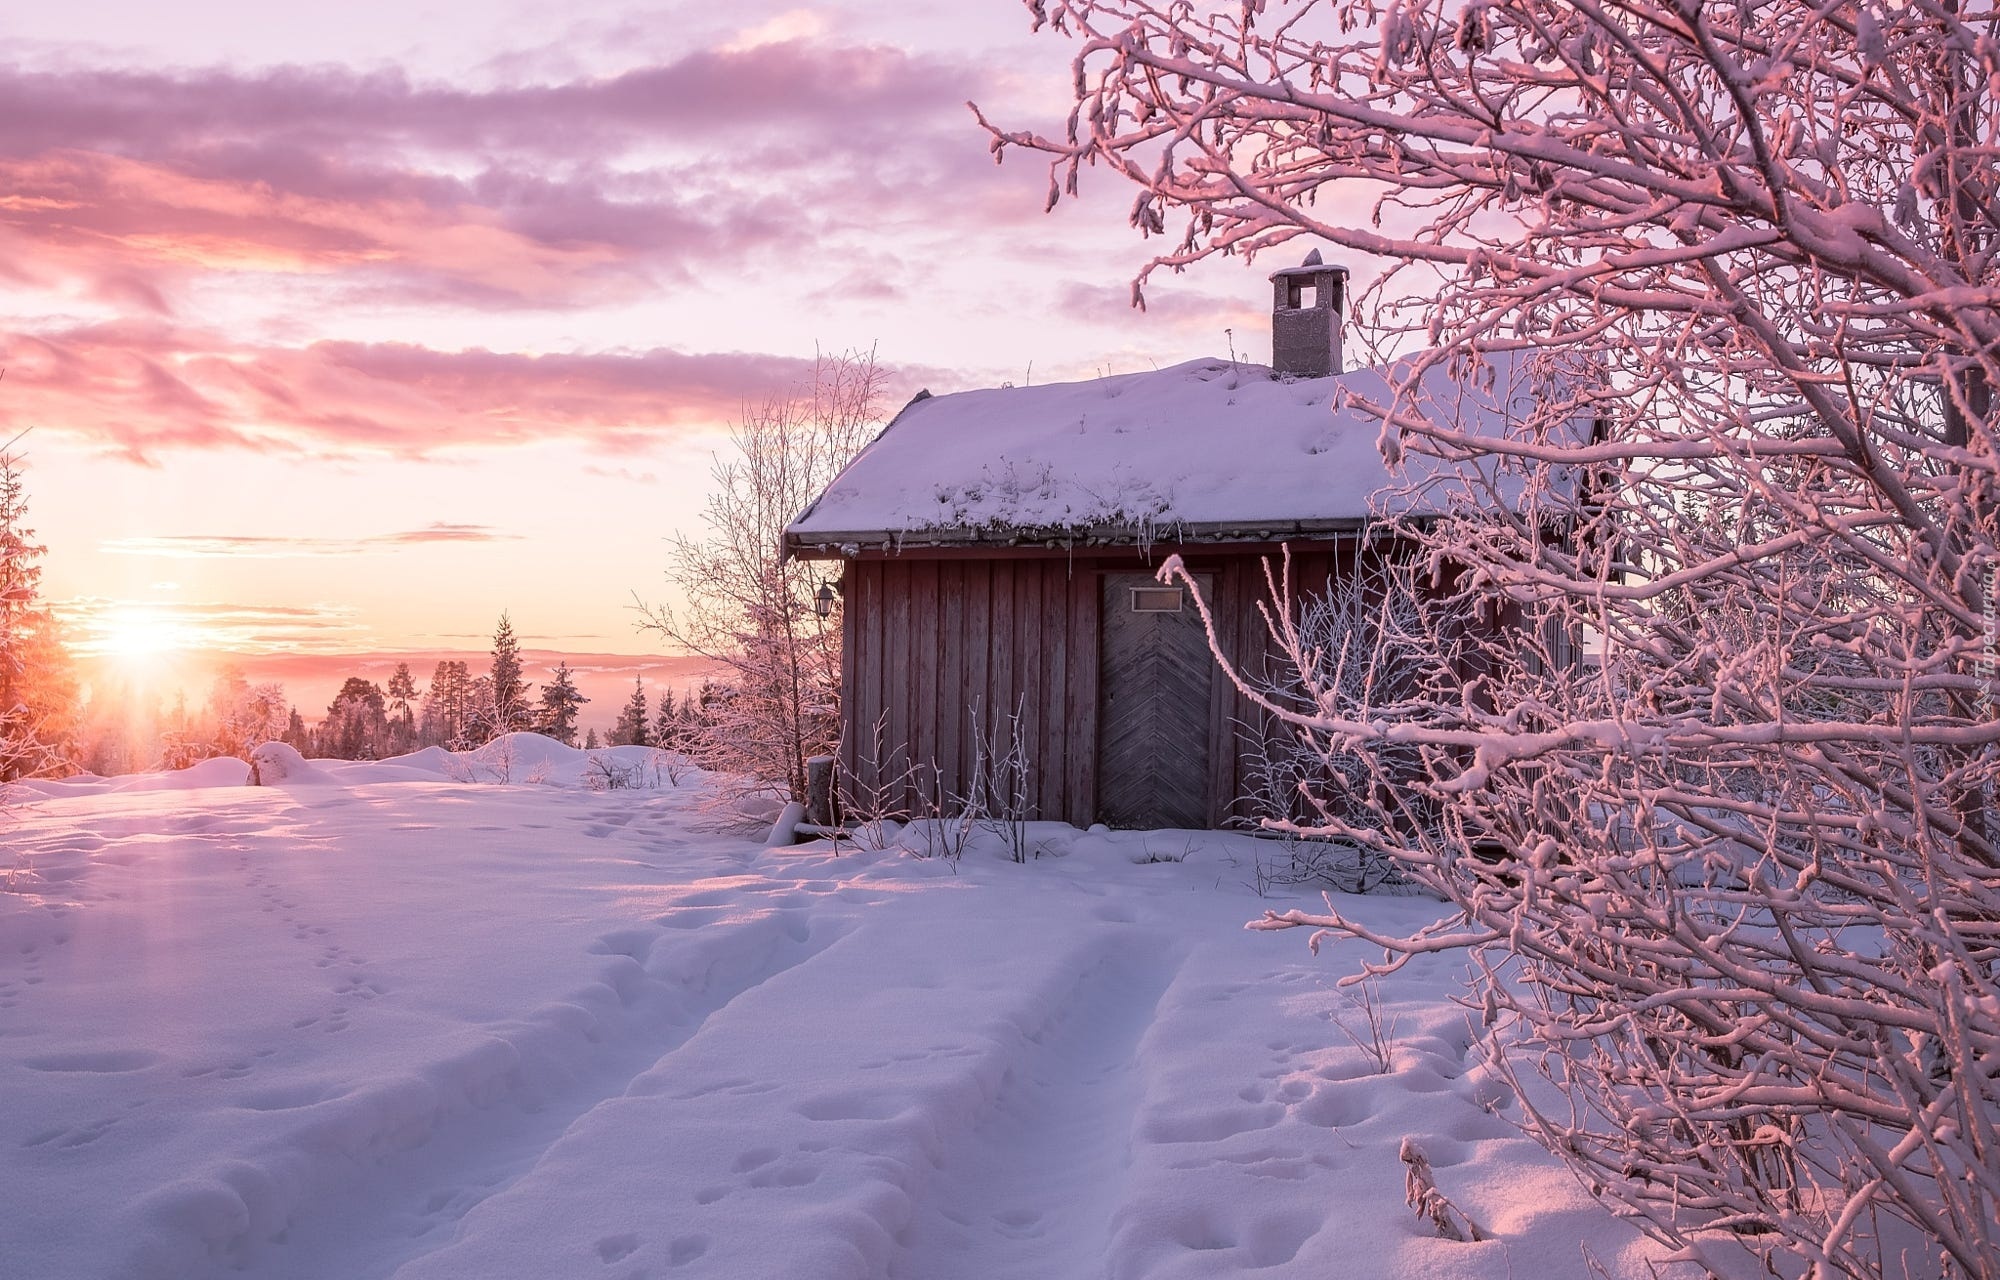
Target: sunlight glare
x=142 y=637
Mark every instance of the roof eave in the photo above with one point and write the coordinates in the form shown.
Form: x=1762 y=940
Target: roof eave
x=846 y=544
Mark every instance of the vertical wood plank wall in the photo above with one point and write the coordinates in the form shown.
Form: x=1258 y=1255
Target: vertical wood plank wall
x=939 y=649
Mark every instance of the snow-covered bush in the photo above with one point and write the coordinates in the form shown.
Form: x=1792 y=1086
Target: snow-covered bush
x=1359 y=645
x=997 y=788
x=510 y=758
x=873 y=803
x=605 y=772
x=894 y=796
x=670 y=766
x=1712 y=780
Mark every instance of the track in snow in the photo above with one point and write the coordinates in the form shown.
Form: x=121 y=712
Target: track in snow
x=410 y=1203
x=1030 y=1192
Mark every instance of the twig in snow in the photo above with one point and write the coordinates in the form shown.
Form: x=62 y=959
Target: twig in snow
x=1420 y=1190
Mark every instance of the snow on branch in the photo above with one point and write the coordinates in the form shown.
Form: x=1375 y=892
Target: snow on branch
x=1706 y=748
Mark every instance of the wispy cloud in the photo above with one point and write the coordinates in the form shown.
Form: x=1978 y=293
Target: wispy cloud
x=268 y=547
x=137 y=389
x=101 y=625
x=1185 y=310
x=624 y=475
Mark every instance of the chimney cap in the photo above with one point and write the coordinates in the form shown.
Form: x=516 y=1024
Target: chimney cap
x=1312 y=266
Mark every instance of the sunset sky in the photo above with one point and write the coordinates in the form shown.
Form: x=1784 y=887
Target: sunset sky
x=342 y=328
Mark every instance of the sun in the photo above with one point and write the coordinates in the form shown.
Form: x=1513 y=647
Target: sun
x=141 y=637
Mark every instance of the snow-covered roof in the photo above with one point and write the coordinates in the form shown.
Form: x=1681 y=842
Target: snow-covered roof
x=1207 y=450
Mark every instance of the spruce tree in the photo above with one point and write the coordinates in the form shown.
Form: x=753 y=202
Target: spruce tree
x=445 y=706
x=560 y=700
x=590 y=742
x=510 y=692
x=630 y=731
x=402 y=693
x=666 y=727
x=482 y=717
x=357 y=722
x=37 y=689
x=295 y=732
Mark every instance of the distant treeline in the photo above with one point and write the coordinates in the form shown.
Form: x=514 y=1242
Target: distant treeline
x=456 y=710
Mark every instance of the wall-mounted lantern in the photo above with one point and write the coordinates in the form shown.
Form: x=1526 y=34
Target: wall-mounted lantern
x=823 y=599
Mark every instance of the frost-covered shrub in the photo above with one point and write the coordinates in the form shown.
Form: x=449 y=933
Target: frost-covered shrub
x=603 y=772
x=1710 y=768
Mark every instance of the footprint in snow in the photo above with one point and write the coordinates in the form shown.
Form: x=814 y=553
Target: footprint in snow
x=1022 y=1224
x=686 y=1249
x=617 y=1248
x=789 y=1174
x=1335 y=1108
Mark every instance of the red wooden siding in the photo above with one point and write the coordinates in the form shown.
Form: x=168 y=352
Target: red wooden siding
x=941 y=648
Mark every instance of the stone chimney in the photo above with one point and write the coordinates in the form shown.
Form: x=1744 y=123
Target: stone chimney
x=1307 y=306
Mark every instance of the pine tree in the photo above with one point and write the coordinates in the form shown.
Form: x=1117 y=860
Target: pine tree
x=180 y=743
x=357 y=722
x=510 y=692
x=402 y=693
x=37 y=689
x=482 y=721
x=666 y=725
x=295 y=732
x=590 y=742
x=243 y=716
x=630 y=731
x=560 y=700
x=446 y=721
x=225 y=696
x=116 y=730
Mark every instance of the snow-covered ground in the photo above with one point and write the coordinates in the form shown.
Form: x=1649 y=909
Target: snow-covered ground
x=373 y=1021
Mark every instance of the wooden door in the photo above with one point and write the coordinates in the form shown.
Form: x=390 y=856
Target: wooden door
x=1155 y=680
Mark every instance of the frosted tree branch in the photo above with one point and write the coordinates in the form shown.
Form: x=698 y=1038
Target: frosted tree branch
x=1705 y=753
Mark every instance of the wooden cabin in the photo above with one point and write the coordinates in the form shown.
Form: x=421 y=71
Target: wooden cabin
x=995 y=554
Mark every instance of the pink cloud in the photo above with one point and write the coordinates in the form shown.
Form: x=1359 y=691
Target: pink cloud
x=1184 y=310
x=136 y=229
x=137 y=389
x=131 y=187
x=279 y=547
x=532 y=195
x=799 y=85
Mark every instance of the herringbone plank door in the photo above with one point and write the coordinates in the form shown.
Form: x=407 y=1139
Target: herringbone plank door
x=1155 y=680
